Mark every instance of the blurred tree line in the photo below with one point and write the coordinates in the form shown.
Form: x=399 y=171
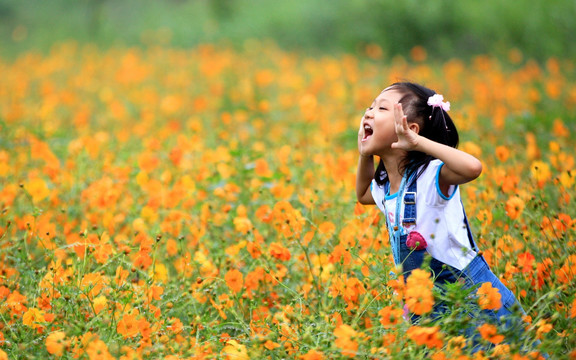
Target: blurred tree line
x=445 y=28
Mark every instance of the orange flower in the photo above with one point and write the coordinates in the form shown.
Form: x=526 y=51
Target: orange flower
x=573 y=310
x=235 y=280
x=485 y=217
x=418 y=53
x=128 y=326
x=279 y=252
x=148 y=161
x=567 y=272
x=143 y=260
x=33 y=317
x=242 y=224
x=313 y=355
x=3 y=355
x=264 y=213
x=514 y=207
x=176 y=325
x=254 y=249
x=431 y=337
x=390 y=316
x=103 y=249
x=489 y=297
x=98 y=350
x=502 y=153
x=15 y=302
x=121 y=276
x=327 y=228
x=543 y=327
x=490 y=333
x=130 y=354
x=388 y=339
x=532 y=149
x=419 y=297
x=171 y=247
x=271 y=345
x=399 y=286
x=93 y=283
x=526 y=262
x=559 y=129
x=509 y=183
x=253 y=279
x=261 y=168
x=55 y=343
x=346 y=340
x=352 y=289
x=439 y=356
x=340 y=254
x=154 y=293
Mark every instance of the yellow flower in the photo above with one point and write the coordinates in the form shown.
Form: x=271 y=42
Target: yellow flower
x=540 y=172
x=38 y=189
x=235 y=351
x=100 y=303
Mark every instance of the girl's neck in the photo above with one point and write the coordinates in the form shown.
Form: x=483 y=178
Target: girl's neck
x=392 y=165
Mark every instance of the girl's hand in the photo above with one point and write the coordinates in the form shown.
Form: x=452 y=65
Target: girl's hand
x=361 y=135
x=407 y=137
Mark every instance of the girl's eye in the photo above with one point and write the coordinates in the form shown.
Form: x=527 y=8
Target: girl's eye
x=383 y=108
x=368 y=109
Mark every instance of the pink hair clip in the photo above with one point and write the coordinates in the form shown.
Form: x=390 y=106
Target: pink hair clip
x=437 y=100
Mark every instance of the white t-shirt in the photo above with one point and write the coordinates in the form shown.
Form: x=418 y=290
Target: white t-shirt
x=439 y=219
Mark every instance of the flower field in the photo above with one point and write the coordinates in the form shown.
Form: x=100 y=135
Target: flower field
x=200 y=204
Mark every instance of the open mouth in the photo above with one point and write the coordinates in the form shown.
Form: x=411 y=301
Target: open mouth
x=367 y=132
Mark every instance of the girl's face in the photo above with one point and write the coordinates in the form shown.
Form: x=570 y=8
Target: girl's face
x=378 y=124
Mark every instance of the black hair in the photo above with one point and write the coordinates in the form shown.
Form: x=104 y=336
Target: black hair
x=434 y=123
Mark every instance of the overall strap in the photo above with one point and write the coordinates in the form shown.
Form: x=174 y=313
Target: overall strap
x=406 y=192
x=469 y=230
x=409 y=218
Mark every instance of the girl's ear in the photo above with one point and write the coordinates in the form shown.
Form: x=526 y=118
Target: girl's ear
x=414 y=127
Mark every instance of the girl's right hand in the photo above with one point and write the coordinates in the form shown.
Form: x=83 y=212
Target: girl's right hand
x=361 y=135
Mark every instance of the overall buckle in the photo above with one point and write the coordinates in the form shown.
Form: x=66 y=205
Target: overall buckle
x=410 y=198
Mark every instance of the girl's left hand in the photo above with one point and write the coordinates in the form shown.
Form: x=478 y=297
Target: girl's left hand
x=407 y=136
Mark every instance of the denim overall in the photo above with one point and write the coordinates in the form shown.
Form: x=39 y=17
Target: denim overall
x=476 y=273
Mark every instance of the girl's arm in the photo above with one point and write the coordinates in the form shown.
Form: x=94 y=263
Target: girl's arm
x=459 y=167
x=364 y=174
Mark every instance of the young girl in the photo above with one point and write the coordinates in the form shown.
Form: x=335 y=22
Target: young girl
x=416 y=187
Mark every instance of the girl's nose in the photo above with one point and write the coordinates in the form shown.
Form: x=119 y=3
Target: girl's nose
x=368 y=113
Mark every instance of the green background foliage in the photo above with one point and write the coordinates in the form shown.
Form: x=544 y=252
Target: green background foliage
x=446 y=28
